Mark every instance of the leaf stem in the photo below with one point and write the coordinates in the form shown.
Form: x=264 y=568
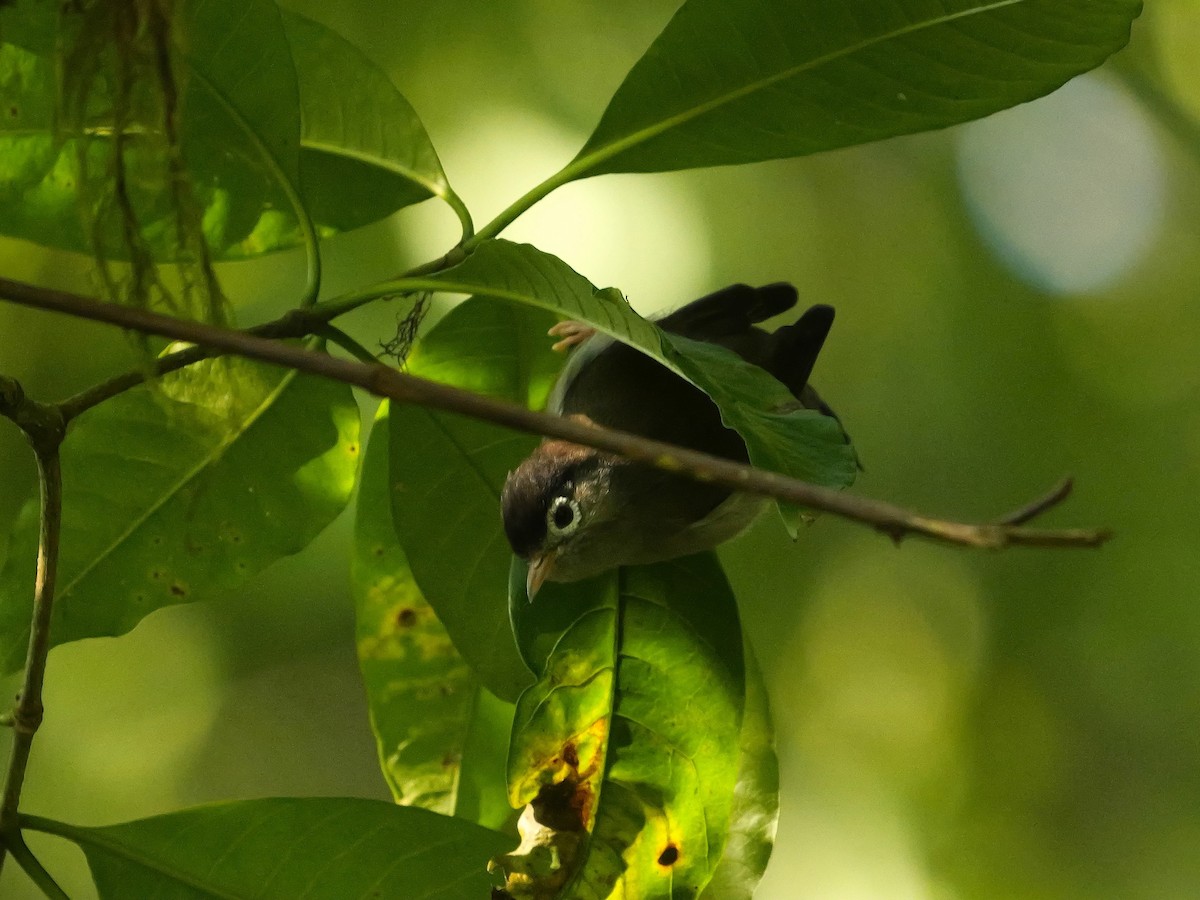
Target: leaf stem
x=347 y=343
x=403 y=388
x=455 y=202
x=534 y=195
x=33 y=867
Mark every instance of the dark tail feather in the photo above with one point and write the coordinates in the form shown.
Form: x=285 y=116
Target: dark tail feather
x=798 y=345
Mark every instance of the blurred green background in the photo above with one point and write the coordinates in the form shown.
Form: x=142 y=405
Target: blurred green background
x=1016 y=300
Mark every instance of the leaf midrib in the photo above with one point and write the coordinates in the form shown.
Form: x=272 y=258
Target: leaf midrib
x=435 y=188
x=215 y=453
x=602 y=154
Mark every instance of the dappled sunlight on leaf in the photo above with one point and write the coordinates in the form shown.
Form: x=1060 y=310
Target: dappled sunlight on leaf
x=630 y=734
x=167 y=503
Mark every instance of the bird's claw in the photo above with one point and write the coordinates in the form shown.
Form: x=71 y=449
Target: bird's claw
x=572 y=334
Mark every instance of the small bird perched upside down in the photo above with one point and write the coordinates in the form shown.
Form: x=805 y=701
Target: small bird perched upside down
x=572 y=512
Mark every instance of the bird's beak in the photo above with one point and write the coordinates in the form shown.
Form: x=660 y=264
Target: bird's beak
x=540 y=568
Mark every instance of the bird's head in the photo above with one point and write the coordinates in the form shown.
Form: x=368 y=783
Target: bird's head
x=560 y=513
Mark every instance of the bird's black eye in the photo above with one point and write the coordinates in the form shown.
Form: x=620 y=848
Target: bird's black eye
x=563 y=516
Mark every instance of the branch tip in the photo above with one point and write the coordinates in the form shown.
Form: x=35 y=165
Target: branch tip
x=1046 y=502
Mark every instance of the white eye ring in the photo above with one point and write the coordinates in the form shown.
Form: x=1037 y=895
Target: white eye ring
x=562 y=518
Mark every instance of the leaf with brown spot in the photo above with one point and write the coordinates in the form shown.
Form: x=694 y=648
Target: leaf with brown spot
x=442 y=738
x=631 y=730
x=155 y=481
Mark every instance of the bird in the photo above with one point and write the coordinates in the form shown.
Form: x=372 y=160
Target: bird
x=572 y=512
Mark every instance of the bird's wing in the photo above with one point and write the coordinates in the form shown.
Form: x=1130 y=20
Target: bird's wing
x=729 y=311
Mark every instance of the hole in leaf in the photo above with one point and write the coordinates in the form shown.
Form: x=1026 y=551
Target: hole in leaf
x=563 y=806
x=669 y=856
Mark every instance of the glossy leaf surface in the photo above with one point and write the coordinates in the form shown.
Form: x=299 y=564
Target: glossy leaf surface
x=264 y=122
x=755 y=800
x=631 y=731
x=285 y=848
x=364 y=153
x=184 y=493
x=447 y=472
x=742 y=82
x=442 y=739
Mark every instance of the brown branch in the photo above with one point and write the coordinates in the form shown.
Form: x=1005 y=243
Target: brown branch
x=384 y=382
x=45 y=428
x=296 y=324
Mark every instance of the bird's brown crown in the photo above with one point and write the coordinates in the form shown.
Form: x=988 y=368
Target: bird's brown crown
x=529 y=489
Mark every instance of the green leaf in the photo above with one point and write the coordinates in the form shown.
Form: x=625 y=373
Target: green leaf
x=630 y=737
x=38 y=179
x=364 y=153
x=238 y=128
x=285 y=848
x=801 y=443
x=442 y=738
x=28 y=23
x=741 y=82
x=182 y=493
x=263 y=113
x=755 y=800
x=447 y=472
x=241 y=123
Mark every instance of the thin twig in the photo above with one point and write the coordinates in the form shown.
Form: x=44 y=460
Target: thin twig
x=1035 y=508
x=27 y=711
x=296 y=324
x=403 y=388
x=335 y=335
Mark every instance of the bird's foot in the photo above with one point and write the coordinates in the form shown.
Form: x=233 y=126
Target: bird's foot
x=571 y=334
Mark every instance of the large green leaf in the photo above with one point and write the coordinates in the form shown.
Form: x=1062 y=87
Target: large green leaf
x=627 y=746
x=442 y=738
x=364 y=153
x=800 y=443
x=264 y=119
x=730 y=82
x=286 y=848
x=183 y=492
x=38 y=179
x=755 y=800
x=238 y=123
x=242 y=102
x=447 y=472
